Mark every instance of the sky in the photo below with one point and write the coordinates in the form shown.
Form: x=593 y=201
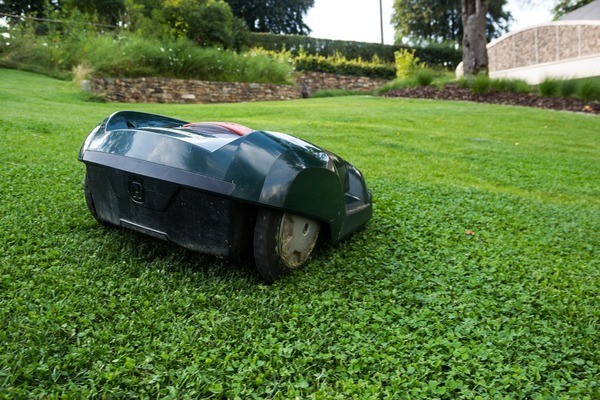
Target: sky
x=359 y=20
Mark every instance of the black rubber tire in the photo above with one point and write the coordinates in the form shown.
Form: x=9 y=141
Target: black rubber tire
x=266 y=245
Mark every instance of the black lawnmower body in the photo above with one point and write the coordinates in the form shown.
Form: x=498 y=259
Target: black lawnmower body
x=218 y=187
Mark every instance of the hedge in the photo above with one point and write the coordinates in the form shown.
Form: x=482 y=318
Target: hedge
x=434 y=55
x=338 y=64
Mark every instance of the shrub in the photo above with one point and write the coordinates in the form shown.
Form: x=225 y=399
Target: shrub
x=406 y=63
x=325 y=47
x=464 y=82
x=56 y=51
x=549 y=87
x=338 y=93
x=213 y=24
x=481 y=84
x=441 y=55
x=568 y=88
x=283 y=55
x=588 y=90
x=339 y=64
x=584 y=89
x=510 y=85
x=421 y=77
x=424 y=77
x=81 y=72
x=134 y=55
x=396 y=84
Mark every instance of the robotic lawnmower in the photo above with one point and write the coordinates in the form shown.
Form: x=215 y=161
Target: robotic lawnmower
x=221 y=188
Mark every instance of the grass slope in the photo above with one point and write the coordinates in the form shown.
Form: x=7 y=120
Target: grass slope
x=410 y=307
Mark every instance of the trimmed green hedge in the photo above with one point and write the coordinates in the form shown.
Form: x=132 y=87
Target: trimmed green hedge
x=338 y=64
x=434 y=55
x=324 y=47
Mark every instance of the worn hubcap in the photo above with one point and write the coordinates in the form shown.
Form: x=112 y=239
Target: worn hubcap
x=297 y=238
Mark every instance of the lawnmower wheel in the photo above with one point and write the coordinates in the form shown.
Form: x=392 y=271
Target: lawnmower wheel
x=282 y=242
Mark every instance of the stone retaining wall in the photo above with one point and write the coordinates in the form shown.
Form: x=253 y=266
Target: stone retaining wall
x=163 y=90
x=313 y=81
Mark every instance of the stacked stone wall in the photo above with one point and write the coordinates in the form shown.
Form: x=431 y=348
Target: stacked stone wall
x=554 y=42
x=314 y=81
x=162 y=90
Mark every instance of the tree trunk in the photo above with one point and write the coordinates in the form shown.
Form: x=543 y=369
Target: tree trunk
x=475 y=59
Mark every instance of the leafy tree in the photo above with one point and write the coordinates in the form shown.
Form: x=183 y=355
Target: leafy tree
x=566 y=6
x=273 y=16
x=207 y=22
x=107 y=11
x=21 y=7
x=150 y=7
x=149 y=18
x=213 y=24
x=435 y=21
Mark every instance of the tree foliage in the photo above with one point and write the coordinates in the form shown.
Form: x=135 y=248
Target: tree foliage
x=434 y=21
x=222 y=23
x=106 y=11
x=21 y=7
x=213 y=24
x=273 y=16
x=566 y=6
x=206 y=22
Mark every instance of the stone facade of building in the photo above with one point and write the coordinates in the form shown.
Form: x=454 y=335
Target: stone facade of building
x=553 y=42
x=162 y=90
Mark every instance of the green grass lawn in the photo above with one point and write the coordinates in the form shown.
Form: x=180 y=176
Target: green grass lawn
x=410 y=307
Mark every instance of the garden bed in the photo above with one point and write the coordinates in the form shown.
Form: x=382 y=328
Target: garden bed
x=453 y=92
